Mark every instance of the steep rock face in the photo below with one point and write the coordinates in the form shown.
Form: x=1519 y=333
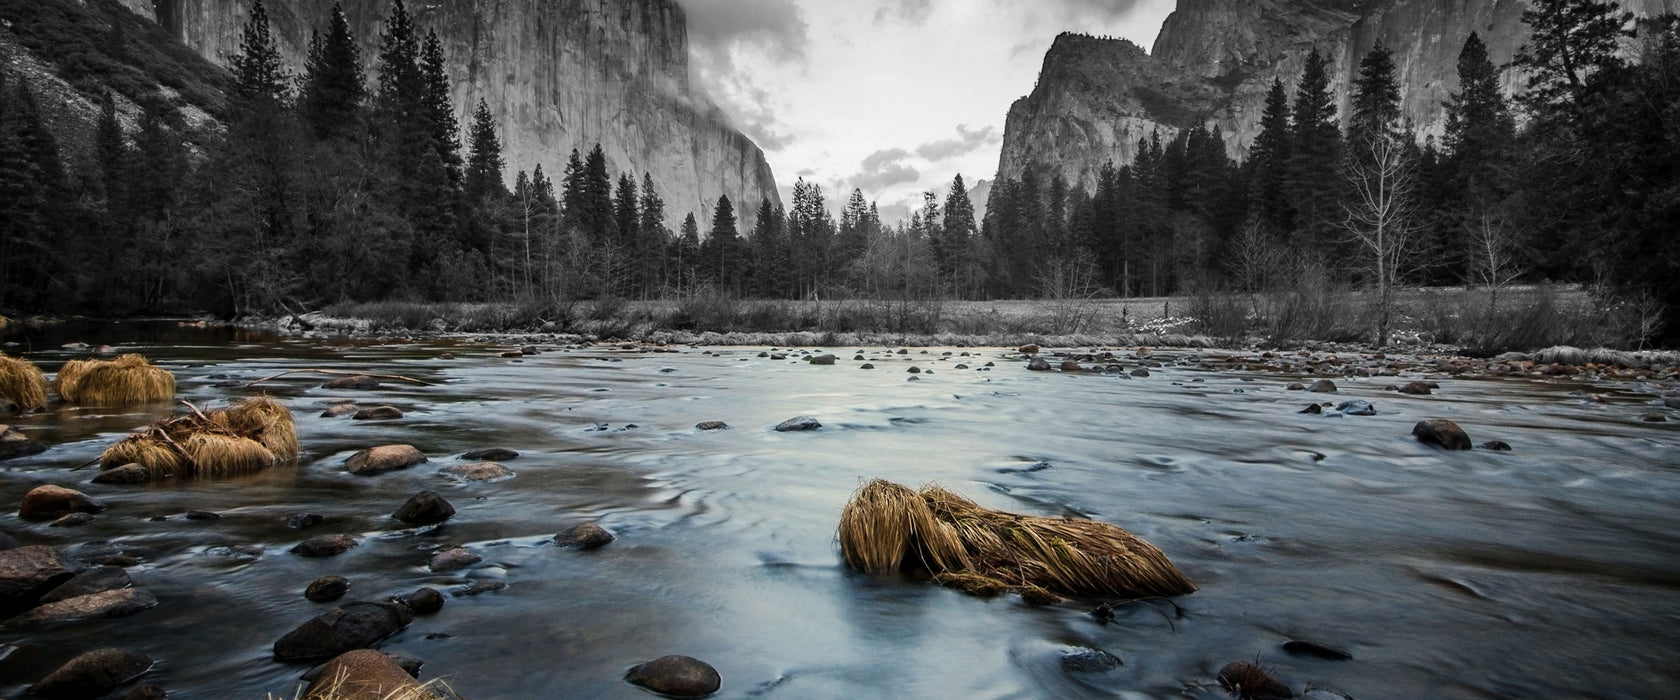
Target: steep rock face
x=1218 y=58
x=557 y=75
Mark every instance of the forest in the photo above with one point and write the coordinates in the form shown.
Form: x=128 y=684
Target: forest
x=353 y=181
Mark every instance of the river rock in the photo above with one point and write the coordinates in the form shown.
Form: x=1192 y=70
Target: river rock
x=95 y=606
x=28 y=572
x=48 y=502
x=492 y=454
x=424 y=601
x=711 y=425
x=821 y=359
x=1322 y=386
x=1088 y=660
x=583 y=536
x=146 y=692
x=1296 y=386
x=1250 y=682
x=95 y=580
x=1028 y=349
x=385 y=458
x=363 y=674
x=1140 y=372
x=676 y=676
x=340 y=410
x=16 y=444
x=360 y=381
x=1497 y=446
x=126 y=474
x=452 y=559
x=1356 y=408
x=1441 y=433
x=303 y=521
x=477 y=471
x=92 y=674
x=1416 y=388
x=798 y=424
x=478 y=587
x=1071 y=366
x=73 y=520
x=327 y=589
x=914 y=370
x=1313 y=409
x=350 y=626
x=1655 y=418
x=425 y=508
x=324 y=546
x=378 y=413
x=1038 y=364
x=867 y=365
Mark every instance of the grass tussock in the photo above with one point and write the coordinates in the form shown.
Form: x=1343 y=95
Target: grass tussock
x=22 y=384
x=124 y=381
x=887 y=527
x=241 y=439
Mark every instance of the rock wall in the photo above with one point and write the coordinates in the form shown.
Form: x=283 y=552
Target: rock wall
x=557 y=74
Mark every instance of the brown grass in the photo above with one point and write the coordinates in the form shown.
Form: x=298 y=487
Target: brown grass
x=242 y=439
x=126 y=380
x=22 y=384
x=887 y=527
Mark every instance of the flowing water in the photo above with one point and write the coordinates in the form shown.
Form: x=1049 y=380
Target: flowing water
x=1550 y=571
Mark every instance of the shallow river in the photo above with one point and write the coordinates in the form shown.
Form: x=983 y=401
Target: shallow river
x=1550 y=571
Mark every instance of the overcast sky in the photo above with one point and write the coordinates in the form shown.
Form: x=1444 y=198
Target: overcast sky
x=893 y=96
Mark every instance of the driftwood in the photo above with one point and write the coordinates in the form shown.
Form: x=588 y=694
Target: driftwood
x=342 y=373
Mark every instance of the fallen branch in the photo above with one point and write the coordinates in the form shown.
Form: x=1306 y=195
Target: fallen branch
x=343 y=373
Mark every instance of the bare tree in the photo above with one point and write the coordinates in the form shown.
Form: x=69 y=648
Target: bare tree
x=1492 y=260
x=1381 y=215
x=1068 y=287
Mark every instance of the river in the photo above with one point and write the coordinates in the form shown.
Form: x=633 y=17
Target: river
x=1549 y=571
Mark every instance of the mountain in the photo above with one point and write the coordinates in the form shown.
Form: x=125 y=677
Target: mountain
x=1214 y=61
x=557 y=75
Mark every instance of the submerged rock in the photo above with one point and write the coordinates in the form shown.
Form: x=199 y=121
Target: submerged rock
x=1312 y=409
x=798 y=424
x=125 y=474
x=73 y=520
x=385 y=458
x=1088 y=660
x=424 y=601
x=1441 y=433
x=1497 y=446
x=350 y=626
x=676 y=676
x=584 y=536
x=92 y=674
x=711 y=425
x=302 y=521
x=340 y=410
x=360 y=382
x=378 y=413
x=425 y=508
x=49 y=502
x=16 y=444
x=479 y=471
x=491 y=454
x=118 y=603
x=96 y=580
x=324 y=546
x=1357 y=408
x=327 y=589
x=452 y=559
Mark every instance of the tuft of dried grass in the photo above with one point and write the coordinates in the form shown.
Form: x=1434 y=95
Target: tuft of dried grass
x=126 y=380
x=22 y=384
x=887 y=527
x=242 y=439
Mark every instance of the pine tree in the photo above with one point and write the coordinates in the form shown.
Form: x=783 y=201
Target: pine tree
x=723 y=246
x=1316 y=146
x=1269 y=162
x=401 y=86
x=259 y=75
x=1480 y=129
x=438 y=106
x=1571 y=41
x=651 y=237
x=572 y=192
x=484 y=161
x=596 y=214
x=333 y=84
x=1376 y=97
x=627 y=218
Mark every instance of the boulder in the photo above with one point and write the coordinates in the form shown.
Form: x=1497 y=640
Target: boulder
x=1250 y=682
x=363 y=674
x=1071 y=366
x=821 y=359
x=126 y=474
x=96 y=580
x=491 y=454
x=385 y=458
x=425 y=508
x=28 y=572
x=327 y=589
x=797 y=424
x=1140 y=372
x=360 y=382
x=424 y=601
x=357 y=625
x=711 y=425
x=118 y=603
x=341 y=410
x=1038 y=364
x=583 y=536
x=452 y=559
x=1441 y=433
x=1416 y=388
x=1028 y=349
x=16 y=444
x=1088 y=660
x=477 y=471
x=378 y=413
x=1322 y=386
x=324 y=546
x=676 y=676
x=92 y=674
x=48 y=502
x=1357 y=408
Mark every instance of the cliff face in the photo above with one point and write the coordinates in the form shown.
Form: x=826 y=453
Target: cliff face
x=1218 y=58
x=557 y=75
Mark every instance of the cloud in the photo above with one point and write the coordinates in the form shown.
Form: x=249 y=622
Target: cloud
x=876 y=160
x=914 y=12
x=725 y=33
x=967 y=141
x=883 y=169
x=1080 y=11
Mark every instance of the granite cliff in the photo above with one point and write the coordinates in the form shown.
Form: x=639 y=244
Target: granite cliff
x=1214 y=61
x=557 y=75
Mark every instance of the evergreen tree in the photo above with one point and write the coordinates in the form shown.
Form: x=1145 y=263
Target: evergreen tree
x=627 y=220
x=1571 y=41
x=572 y=192
x=957 y=246
x=769 y=252
x=1376 y=96
x=438 y=107
x=1316 y=146
x=484 y=160
x=259 y=75
x=401 y=85
x=651 y=237
x=1268 y=162
x=595 y=215
x=1480 y=129
x=723 y=245
x=334 y=87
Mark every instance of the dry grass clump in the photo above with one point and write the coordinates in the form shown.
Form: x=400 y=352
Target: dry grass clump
x=22 y=384
x=241 y=439
x=128 y=379
x=887 y=527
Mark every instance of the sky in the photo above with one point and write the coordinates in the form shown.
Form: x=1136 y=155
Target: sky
x=895 y=97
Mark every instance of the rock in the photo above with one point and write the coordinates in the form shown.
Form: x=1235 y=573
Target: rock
x=479 y=587
x=446 y=356
x=914 y=370
x=867 y=365
x=491 y=454
x=477 y=471
x=676 y=676
x=1655 y=418
x=327 y=589
x=1672 y=402
x=1071 y=366
x=583 y=536
x=798 y=424
x=324 y=546
x=73 y=520
x=126 y=474
x=452 y=559
x=711 y=425
x=1250 y=682
x=821 y=359
x=203 y=515
x=363 y=674
x=26 y=573
x=92 y=674
x=386 y=458
x=48 y=502
x=118 y=603
x=145 y=692
x=1038 y=364
x=425 y=508
x=302 y=521
x=1296 y=386
x=1028 y=349
x=378 y=413
x=360 y=382
x=1415 y=388
x=350 y=626
x=340 y=410
x=8 y=542
x=15 y=444
x=1300 y=647
x=1441 y=433
x=1140 y=372
x=424 y=601
x=1313 y=409
x=1357 y=408
x=1323 y=386
x=96 y=580
x=1088 y=660
x=1497 y=446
